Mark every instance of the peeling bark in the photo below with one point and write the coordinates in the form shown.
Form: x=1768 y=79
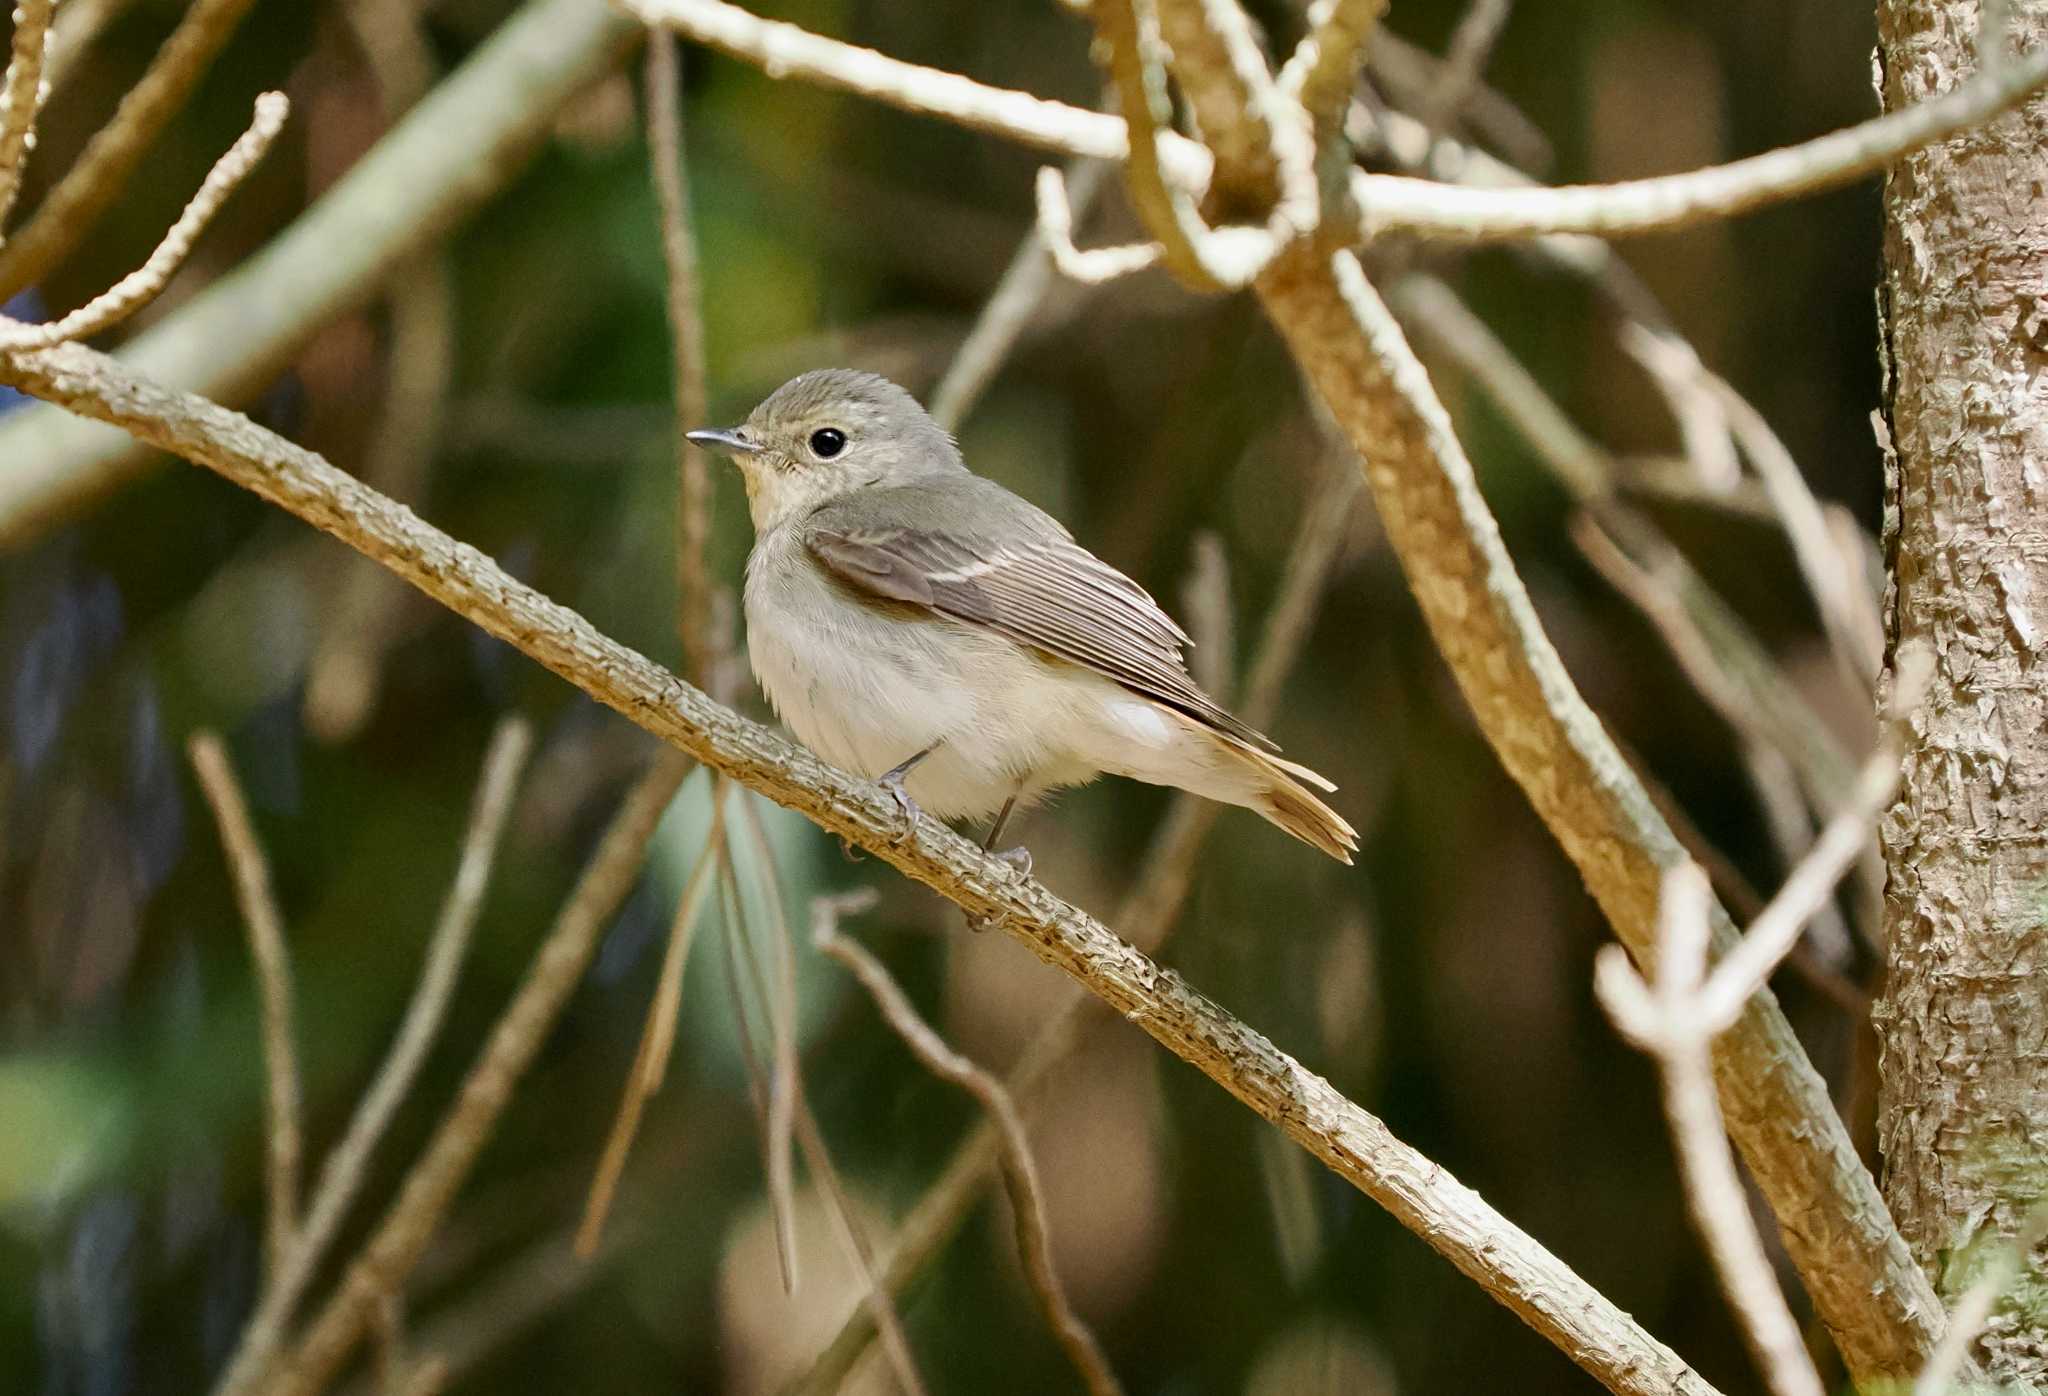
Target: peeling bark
x=1964 y=1017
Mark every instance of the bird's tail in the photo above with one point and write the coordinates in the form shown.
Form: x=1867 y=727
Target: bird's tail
x=1283 y=797
x=1278 y=791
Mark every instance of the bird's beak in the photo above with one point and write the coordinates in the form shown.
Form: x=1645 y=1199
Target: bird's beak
x=727 y=440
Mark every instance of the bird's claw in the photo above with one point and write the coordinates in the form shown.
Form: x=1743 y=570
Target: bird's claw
x=893 y=783
x=1019 y=860
x=850 y=853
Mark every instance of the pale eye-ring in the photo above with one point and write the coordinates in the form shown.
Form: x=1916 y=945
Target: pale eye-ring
x=827 y=442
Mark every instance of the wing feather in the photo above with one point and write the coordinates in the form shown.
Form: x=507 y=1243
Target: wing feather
x=1047 y=592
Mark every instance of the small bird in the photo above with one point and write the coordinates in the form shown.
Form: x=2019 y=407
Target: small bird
x=919 y=625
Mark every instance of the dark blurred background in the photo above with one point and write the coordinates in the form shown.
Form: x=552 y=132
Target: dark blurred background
x=1444 y=982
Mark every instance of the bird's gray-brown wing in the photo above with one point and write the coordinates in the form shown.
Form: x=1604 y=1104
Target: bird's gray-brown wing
x=1045 y=591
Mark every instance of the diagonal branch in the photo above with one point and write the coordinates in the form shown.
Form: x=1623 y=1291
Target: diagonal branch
x=1872 y=1296
x=1511 y=1266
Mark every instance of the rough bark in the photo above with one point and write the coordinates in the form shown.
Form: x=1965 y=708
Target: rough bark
x=1964 y=1016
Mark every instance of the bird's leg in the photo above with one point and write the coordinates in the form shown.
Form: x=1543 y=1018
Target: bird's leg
x=1018 y=857
x=892 y=781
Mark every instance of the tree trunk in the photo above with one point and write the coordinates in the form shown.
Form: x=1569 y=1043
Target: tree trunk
x=1964 y=1015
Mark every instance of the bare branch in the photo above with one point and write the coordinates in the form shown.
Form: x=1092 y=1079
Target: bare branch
x=1322 y=72
x=785 y=1083
x=1419 y=1193
x=409 y=190
x=846 y=1228
x=1097 y=264
x=658 y=1037
x=1865 y=1284
x=1465 y=59
x=284 y=1139
x=1389 y=203
x=69 y=211
x=1020 y=1173
x=686 y=335
x=21 y=95
x=1009 y=311
x=430 y=1184
x=141 y=286
x=1665 y=1021
x=1748 y=967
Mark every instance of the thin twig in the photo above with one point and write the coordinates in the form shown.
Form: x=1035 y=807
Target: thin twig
x=342 y=1174
x=1389 y=203
x=1848 y=609
x=399 y=1238
x=1212 y=628
x=846 y=1228
x=1664 y=1020
x=658 y=1036
x=1509 y=1264
x=21 y=95
x=1009 y=311
x=1465 y=59
x=785 y=1086
x=1020 y=1173
x=404 y=193
x=69 y=211
x=1090 y=266
x=141 y=286
x=686 y=335
x=366 y=621
x=283 y=1135
x=1789 y=821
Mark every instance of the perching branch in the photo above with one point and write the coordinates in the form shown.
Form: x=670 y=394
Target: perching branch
x=1486 y=1246
x=284 y=1138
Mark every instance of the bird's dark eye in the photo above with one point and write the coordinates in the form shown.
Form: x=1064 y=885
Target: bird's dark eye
x=827 y=442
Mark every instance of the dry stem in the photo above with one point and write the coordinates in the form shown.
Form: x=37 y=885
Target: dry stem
x=284 y=1140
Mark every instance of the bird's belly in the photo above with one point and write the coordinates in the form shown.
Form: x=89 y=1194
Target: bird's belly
x=867 y=699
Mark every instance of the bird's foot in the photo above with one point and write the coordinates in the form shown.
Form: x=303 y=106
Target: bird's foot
x=850 y=853
x=893 y=783
x=1019 y=858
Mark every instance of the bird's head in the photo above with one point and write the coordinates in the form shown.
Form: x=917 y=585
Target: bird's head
x=826 y=434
